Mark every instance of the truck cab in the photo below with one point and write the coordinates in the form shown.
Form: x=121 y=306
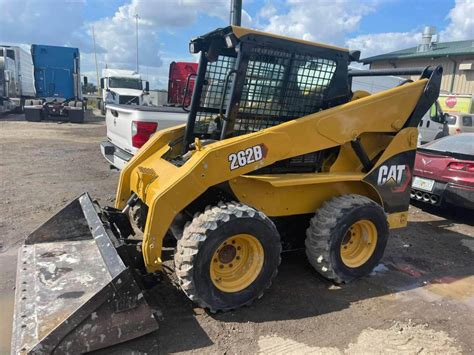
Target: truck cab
x=124 y=87
x=433 y=125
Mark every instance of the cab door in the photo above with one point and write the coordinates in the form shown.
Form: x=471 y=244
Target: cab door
x=432 y=126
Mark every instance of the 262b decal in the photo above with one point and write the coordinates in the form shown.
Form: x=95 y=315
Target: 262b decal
x=246 y=156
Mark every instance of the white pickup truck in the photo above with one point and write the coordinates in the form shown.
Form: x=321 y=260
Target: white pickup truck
x=129 y=127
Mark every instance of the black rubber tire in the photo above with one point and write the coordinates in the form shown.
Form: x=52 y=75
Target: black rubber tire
x=328 y=228
x=138 y=214
x=203 y=235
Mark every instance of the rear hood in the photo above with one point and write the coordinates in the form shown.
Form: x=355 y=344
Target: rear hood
x=431 y=165
x=435 y=166
x=127 y=92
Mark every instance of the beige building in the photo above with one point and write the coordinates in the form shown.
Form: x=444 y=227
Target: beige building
x=457 y=59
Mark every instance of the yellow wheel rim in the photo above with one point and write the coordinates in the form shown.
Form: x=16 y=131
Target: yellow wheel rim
x=236 y=263
x=359 y=243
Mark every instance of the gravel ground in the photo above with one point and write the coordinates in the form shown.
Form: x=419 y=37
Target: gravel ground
x=420 y=299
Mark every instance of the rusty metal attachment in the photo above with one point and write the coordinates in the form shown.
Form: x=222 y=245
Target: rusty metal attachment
x=74 y=293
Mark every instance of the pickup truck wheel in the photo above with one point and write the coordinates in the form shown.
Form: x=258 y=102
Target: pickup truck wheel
x=227 y=256
x=138 y=215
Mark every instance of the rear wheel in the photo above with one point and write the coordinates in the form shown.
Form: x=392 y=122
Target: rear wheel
x=347 y=237
x=227 y=256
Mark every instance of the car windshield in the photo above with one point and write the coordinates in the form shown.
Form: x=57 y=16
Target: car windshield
x=125 y=83
x=459 y=144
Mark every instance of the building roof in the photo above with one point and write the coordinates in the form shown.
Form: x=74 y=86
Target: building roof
x=440 y=50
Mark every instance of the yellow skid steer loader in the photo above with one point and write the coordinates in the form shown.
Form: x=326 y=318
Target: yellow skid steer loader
x=278 y=153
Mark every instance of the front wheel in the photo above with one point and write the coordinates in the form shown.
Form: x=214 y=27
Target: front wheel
x=347 y=237
x=227 y=256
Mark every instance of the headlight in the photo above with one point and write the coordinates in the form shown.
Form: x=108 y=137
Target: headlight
x=230 y=41
x=194 y=47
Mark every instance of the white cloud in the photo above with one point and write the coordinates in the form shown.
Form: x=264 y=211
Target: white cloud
x=460 y=27
x=315 y=20
x=373 y=44
x=461 y=22
x=35 y=21
x=116 y=34
x=268 y=10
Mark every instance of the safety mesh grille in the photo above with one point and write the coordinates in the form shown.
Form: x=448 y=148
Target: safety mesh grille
x=212 y=92
x=281 y=86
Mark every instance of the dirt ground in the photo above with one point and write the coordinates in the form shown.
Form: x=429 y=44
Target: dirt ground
x=420 y=299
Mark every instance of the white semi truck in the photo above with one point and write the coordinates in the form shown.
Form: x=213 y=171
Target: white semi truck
x=124 y=87
x=16 y=78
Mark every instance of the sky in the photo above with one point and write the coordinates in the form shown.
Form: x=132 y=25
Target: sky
x=166 y=26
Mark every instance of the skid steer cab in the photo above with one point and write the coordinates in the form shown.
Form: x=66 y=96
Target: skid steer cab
x=278 y=153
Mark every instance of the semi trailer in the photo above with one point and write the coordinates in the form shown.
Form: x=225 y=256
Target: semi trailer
x=58 y=84
x=16 y=78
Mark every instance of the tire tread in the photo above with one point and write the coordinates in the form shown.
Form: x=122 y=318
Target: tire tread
x=322 y=225
x=196 y=233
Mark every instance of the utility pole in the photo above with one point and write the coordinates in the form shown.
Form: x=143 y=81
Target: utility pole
x=136 y=24
x=236 y=12
x=96 y=66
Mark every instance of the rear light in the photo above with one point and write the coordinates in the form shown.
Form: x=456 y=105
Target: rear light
x=461 y=167
x=141 y=132
x=458 y=130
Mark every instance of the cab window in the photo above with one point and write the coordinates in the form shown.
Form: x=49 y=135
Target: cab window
x=11 y=54
x=467 y=121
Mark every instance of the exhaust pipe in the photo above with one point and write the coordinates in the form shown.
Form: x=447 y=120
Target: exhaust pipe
x=412 y=193
x=434 y=199
x=418 y=195
x=426 y=197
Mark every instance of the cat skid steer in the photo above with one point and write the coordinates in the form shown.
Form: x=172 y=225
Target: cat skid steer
x=278 y=153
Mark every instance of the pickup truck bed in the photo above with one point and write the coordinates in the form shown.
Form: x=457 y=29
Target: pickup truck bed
x=122 y=123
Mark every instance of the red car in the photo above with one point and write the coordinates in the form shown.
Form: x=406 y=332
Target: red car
x=444 y=172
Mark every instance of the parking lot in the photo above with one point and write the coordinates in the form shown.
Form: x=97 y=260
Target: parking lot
x=420 y=299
